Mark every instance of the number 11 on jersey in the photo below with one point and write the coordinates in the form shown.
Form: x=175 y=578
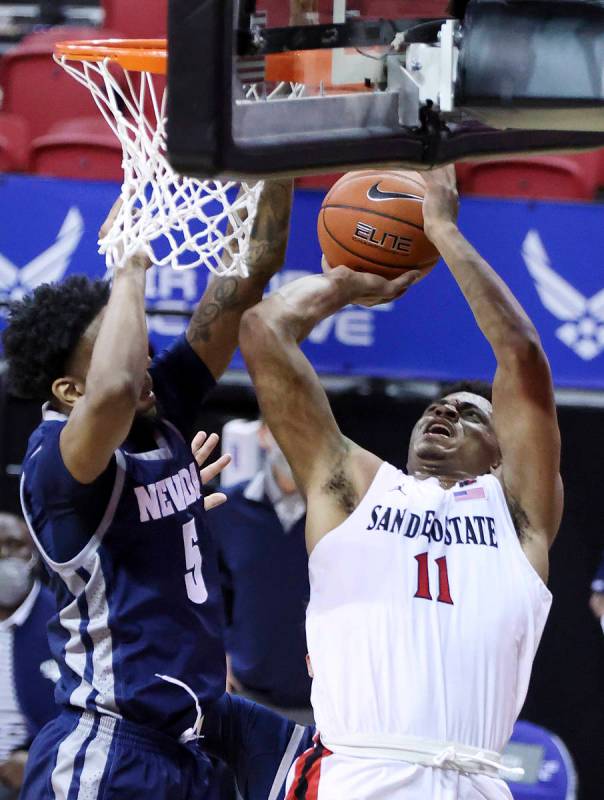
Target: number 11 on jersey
x=423 y=579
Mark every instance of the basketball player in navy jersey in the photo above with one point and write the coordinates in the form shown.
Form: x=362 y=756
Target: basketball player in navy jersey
x=113 y=500
x=428 y=595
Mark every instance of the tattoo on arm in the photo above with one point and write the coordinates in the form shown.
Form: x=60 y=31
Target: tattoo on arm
x=223 y=298
x=266 y=253
x=270 y=230
x=340 y=485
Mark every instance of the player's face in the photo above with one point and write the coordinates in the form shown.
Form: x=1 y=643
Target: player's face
x=455 y=432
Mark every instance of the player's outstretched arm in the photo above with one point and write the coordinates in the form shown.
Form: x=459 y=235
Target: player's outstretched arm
x=332 y=473
x=102 y=416
x=214 y=327
x=524 y=410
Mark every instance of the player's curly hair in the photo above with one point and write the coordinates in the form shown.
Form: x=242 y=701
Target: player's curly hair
x=481 y=388
x=44 y=329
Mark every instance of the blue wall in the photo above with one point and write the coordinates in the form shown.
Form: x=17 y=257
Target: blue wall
x=48 y=229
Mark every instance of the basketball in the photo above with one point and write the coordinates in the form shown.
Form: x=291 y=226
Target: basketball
x=372 y=221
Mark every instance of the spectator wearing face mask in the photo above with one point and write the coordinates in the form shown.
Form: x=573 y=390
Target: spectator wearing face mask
x=260 y=536
x=27 y=671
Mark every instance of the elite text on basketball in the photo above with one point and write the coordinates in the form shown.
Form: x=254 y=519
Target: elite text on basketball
x=387 y=241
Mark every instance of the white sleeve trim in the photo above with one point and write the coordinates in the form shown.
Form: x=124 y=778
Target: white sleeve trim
x=96 y=538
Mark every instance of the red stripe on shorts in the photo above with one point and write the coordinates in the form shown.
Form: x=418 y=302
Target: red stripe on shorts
x=305 y=785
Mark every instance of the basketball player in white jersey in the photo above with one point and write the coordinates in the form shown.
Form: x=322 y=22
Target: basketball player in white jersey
x=428 y=595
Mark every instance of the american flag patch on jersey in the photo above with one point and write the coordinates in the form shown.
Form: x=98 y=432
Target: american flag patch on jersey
x=476 y=493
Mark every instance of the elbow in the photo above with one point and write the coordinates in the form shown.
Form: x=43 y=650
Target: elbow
x=259 y=331
x=522 y=345
x=251 y=322
x=250 y=330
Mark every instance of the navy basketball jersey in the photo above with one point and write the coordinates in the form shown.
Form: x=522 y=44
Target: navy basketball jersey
x=132 y=565
x=259 y=745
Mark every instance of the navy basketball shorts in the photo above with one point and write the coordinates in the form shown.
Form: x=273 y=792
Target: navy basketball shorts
x=85 y=756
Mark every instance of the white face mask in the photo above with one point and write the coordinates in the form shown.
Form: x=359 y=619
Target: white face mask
x=15 y=581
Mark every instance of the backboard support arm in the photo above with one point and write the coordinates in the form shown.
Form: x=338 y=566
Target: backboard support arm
x=211 y=136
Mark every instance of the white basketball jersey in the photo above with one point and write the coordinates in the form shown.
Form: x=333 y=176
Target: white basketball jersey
x=424 y=615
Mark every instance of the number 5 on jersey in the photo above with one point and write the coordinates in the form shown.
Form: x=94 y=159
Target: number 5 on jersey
x=196 y=588
x=423 y=579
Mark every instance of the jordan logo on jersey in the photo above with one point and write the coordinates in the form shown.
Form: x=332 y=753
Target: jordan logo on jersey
x=475 y=529
x=166 y=497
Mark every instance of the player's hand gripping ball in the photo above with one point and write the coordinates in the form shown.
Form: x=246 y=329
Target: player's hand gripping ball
x=372 y=221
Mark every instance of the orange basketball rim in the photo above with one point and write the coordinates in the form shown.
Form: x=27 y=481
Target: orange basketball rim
x=138 y=55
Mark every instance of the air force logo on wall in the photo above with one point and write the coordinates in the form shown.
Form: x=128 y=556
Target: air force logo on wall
x=583 y=318
x=47 y=267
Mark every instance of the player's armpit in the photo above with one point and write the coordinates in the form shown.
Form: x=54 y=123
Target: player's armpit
x=339 y=482
x=346 y=482
x=535 y=543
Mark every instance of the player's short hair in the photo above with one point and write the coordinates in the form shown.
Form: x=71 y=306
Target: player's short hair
x=481 y=388
x=44 y=329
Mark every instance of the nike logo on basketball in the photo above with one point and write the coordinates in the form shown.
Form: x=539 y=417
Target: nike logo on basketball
x=375 y=193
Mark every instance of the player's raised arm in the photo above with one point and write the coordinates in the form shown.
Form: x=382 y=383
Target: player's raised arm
x=524 y=410
x=331 y=472
x=214 y=327
x=113 y=355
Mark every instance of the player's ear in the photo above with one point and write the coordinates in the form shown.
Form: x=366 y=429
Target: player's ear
x=67 y=390
x=496 y=465
x=309 y=668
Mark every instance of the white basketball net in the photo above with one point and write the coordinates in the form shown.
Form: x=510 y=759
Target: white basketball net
x=178 y=221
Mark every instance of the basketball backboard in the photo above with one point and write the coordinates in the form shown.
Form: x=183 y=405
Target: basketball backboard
x=301 y=86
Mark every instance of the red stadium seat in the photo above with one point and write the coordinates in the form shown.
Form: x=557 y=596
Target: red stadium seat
x=84 y=148
x=559 y=177
x=320 y=182
x=137 y=19
x=14 y=143
x=600 y=155
x=38 y=89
